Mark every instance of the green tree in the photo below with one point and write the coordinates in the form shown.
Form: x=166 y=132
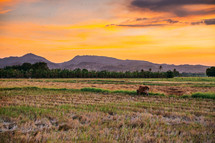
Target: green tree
x=78 y=73
x=210 y=72
x=26 y=66
x=40 y=66
x=169 y=74
x=160 y=68
x=176 y=73
x=85 y=73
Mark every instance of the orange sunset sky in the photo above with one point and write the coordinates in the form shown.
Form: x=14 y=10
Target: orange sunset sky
x=160 y=31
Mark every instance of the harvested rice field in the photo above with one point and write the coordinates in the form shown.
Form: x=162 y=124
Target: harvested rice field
x=107 y=110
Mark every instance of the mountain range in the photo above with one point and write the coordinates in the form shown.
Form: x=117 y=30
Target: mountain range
x=99 y=63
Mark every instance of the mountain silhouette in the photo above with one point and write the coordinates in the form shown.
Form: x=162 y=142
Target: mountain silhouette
x=99 y=63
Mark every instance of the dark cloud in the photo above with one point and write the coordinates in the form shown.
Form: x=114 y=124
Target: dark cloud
x=141 y=19
x=109 y=25
x=137 y=25
x=196 y=23
x=171 y=21
x=209 y=21
x=173 y=6
x=205 y=21
x=142 y=22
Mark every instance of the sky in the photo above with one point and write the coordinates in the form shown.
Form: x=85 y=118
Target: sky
x=160 y=31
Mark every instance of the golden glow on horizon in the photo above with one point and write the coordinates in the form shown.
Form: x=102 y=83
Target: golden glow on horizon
x=179 y=43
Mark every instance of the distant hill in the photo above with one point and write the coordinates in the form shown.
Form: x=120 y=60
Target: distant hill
x=99 y=63
x=28 y=58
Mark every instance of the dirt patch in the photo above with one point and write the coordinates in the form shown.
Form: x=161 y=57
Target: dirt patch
x=174 y=91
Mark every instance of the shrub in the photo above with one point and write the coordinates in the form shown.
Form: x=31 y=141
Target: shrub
x=185 y=96
x=204 y=95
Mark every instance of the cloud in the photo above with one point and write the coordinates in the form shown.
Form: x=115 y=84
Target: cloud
x=197 y=22
x=171 y=21
x=137 y=25
x=173 y=6
x=153 y=22
x=8 y=5
x=205 y=21
x=145 y=22
x=5 y=5
x=2 y=11
x=141 y=19
x=209 y=21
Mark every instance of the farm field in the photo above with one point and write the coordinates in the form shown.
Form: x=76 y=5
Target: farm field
x=107 y=110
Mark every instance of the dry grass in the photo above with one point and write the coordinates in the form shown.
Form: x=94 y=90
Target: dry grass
x=182 y=85
x=44 y=115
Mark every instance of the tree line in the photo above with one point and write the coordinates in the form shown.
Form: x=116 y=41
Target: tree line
x=41 y=70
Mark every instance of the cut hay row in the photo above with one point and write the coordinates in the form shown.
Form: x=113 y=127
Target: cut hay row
x=105 y=91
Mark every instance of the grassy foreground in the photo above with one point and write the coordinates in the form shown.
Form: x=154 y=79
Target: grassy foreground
x=32 y=114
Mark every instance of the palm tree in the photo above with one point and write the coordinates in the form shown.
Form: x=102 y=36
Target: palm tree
x=160 y=68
